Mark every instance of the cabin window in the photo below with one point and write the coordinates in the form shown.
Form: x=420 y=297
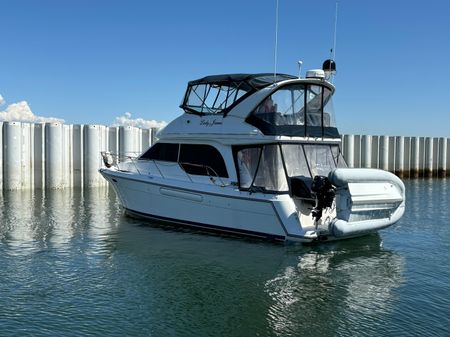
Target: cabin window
x=162 y=151
x=200 y=159
x=261 y=169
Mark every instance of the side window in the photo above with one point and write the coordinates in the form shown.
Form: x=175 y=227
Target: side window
x=320 y=159
x=247 y=162
x=203 y=160
x=271 y=175
x=338 y=158
x=161 y=151
x=295 y=160
x=314 y=105
x=328 y=109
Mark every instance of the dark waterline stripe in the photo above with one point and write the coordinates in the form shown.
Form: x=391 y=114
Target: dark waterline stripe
x=210 y=227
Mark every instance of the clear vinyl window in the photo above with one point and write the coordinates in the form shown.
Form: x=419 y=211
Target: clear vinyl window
x=261 y=169
x=211 y=98
x=283 y=107
x=297 y=110
x=267 y=167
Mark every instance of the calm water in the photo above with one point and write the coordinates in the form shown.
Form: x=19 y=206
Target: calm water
x=72 y=264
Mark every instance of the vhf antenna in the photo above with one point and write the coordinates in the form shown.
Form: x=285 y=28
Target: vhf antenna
x=276 y=43
x=329 y=66
x=333 y=51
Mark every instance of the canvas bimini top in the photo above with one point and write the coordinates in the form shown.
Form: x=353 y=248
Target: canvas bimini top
x=293 y=106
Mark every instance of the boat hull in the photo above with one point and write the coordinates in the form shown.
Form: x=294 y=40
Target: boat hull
x=232 y=212
x=229 y=210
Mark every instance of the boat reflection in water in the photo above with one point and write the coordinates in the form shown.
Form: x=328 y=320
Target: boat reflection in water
x=346 y=287
x=74 y=254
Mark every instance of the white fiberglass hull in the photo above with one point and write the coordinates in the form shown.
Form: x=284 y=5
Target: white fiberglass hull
x=230 y=211
x=227 y=209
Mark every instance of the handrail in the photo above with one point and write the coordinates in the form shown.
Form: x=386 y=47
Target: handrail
x=113 y=159
x=207 y=167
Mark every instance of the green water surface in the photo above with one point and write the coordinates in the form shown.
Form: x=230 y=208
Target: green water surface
x=71 y=264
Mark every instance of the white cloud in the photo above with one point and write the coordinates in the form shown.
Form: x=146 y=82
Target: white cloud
x=2 y=100
x=126 y=120
x=21 y=112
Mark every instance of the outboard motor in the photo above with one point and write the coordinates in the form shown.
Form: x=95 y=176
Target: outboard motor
x=324 y=192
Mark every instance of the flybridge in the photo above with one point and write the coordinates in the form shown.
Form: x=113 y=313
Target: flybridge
x=277 y=105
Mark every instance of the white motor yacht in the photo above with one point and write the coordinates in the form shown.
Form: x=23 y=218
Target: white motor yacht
x=257 y=155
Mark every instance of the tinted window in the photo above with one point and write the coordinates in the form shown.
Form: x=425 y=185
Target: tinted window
x=202 y=160
x=162 y=151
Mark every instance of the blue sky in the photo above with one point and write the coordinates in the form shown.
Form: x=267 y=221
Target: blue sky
x=89 y=61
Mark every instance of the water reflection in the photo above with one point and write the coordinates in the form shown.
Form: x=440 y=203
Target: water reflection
x=253 y=288
x=55 y=248
x=335 y=287
x=60 y=218
x=20 y=226
x=40 y=220
x=71 y=261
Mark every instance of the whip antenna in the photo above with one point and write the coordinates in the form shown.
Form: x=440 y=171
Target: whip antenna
x=333 y=54
x=276 y=44
x=329 y=66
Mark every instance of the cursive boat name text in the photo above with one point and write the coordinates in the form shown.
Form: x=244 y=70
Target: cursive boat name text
x=210 y=123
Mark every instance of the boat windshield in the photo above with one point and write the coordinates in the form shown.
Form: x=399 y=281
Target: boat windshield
x=297 y=110
x=218 y=94
x=267 y=167
x=210 y=98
